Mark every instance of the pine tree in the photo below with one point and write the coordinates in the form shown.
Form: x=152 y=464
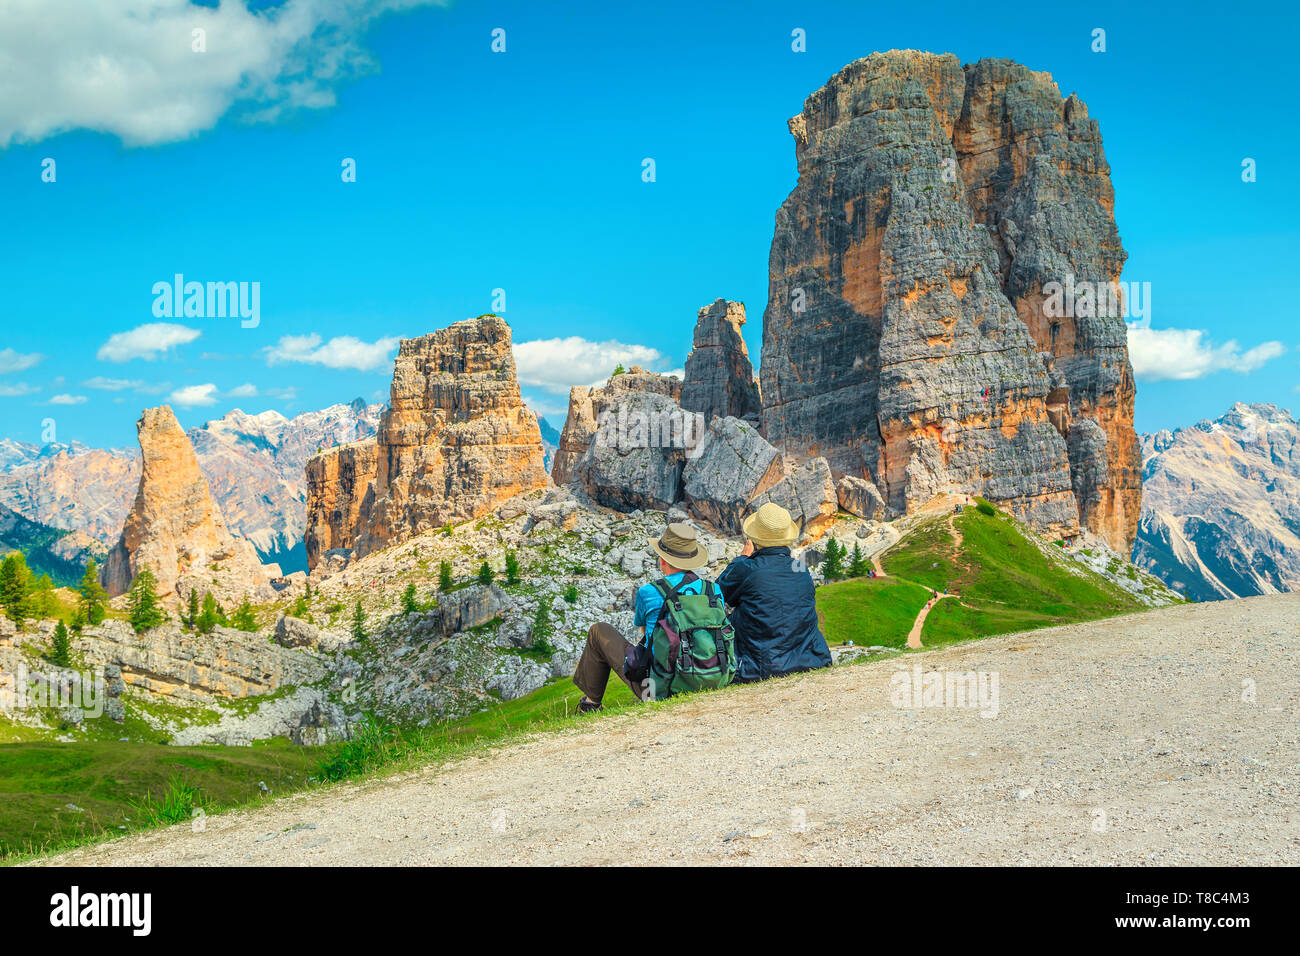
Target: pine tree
x=15 y=580
x=42 y=600
x=833 y=565
x=359 y=623
x=61 y=647
x=244 y=619
x=543 y=629
x=207 y=620
x=485 y=574
x=857 y=564
x=409 y=604
x=143 y=608
x=93 y=597
x=191 y=619
x=444 y=576
x=512 y=568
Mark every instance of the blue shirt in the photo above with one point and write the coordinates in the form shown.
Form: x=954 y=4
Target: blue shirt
x=649 y=602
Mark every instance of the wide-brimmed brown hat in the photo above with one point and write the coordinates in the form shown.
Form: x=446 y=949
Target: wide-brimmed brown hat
x=771 y=526
x=678 y=546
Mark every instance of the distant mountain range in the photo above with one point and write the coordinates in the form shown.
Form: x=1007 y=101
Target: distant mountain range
x=1221 y=505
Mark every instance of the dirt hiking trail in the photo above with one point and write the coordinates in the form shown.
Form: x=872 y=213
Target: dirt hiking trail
x=1168 y=737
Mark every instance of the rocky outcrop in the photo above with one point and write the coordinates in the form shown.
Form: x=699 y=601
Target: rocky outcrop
x=636 y=456
x=253 y=463
x=732 y=466
x=719 y=379
x=170 y=662
x=338 y=482
x=861 y=498
x=1221 y=505
x=807 y=491
x=455 y=442
x=908 y=338
x=588 y=405
x=174 y=527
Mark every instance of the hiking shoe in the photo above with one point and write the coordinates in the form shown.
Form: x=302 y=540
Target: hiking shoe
x=587 y=706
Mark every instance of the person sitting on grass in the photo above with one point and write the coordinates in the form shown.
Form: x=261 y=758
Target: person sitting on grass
x=680 y=555
x=772 y=601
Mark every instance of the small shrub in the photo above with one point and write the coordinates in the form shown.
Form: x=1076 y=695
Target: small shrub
x=512 y=568
x=571 y=593
x=986 y=509
x=178 y=803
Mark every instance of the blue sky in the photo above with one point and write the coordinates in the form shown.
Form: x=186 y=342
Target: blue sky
x=521 y=171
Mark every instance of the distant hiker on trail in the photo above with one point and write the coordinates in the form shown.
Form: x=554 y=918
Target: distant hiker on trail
x=687 y=642
x=772 y=602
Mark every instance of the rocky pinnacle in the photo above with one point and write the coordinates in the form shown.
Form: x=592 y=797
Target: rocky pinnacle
x=908 y=337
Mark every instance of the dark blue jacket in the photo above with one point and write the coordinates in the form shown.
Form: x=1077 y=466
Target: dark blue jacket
x=774 y=615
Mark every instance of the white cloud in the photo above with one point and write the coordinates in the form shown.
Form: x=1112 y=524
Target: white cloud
x=66 y=399
x=284 y=394
x=11 y=361
x=112 y=384
x=344 y=351
x=13 y=391
x=191 y=396
x=129 y=68
x=1182 y=354
x=145 y=342
x=247 y=390
x=558 y=364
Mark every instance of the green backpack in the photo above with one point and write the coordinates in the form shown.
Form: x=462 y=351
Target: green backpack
x=693 y=646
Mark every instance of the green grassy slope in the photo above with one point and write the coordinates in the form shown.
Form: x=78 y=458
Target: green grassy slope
x=101 y=781
x=869 y=610
x=1004 y=581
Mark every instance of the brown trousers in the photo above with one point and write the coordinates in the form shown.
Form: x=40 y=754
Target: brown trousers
x=604 y=652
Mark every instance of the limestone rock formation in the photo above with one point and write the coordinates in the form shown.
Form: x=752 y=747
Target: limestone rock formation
x=860 y=497
x=732 y=466
x=910 y=336
x=719 y=377
x=253 y=463
x=340 y=482
x=455 y=442
x=587 y=405
x=807 y=491
x=1221 y=505
x=635 y=457
x=175 y=529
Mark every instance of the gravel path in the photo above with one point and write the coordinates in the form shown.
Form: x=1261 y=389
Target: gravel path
x=1121 y=741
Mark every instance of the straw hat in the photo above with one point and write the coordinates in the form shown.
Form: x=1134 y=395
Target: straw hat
x=678 y=546
x=771 y=526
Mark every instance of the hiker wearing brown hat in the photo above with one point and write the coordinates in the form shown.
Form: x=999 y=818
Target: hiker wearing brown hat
x=772 y=602
x=680 y=556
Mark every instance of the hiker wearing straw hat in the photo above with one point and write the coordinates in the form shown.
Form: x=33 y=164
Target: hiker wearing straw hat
x=771 y=597
x=686 y=643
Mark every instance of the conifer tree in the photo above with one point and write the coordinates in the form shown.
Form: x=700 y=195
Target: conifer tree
x=833 y=565
x=144 y=610
x=93 y=598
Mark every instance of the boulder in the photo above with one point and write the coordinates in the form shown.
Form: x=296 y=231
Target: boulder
x=636 y=456
x=469 y=607
x=808 y=492
x=731 y=466
x=860 y=497
x=587 y=406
